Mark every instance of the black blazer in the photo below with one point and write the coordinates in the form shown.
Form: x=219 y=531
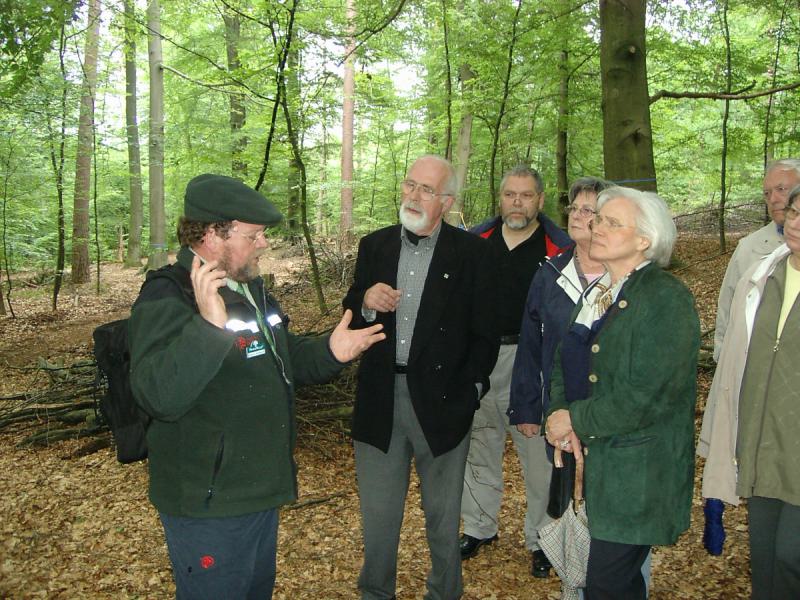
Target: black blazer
x=455 y=340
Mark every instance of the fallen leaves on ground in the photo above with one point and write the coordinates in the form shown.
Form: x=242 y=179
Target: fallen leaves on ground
x=82 y=527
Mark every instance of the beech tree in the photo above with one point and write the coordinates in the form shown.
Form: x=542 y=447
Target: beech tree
x=627 y=134
x=158 y=236
x=134 y=254
x=83 y=159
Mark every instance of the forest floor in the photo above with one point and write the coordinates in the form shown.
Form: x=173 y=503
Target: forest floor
x=75 y=525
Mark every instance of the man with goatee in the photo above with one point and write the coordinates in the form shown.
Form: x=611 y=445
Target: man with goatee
x=432 y=287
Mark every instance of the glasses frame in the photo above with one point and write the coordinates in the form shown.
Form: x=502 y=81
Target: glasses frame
x=610 y=222
x=583 y=211
x=790 y=212
x=252 y=238
x=426 y=192
x=524 y=196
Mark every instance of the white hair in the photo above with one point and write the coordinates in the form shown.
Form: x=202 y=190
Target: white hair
x=784 y=164
x=653 y=220
x=450 y=187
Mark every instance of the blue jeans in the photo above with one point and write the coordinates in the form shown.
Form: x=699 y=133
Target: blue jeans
x=231 y=557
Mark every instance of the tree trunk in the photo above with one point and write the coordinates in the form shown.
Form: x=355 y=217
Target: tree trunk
x=158 y=234
x=502 y=110
x=83 y=158
x=321 y=220
x=134 y=256
x=293 y=177
x=561 y=136
x=348 y=114
x=775 y=64
x=298 y=160
x=238 y=114
x=448 y=87
x=463 y=145
x=627 y=135
x=57 y=158
x=723 y=195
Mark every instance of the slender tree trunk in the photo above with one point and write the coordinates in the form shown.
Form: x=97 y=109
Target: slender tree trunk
x=348 y=115
x=322 y=222
x=83 y=159
x=448 y=88
x=775 y=66
x=374 y=185
x=502 y=111
x=57 y=157
x=292 y=92
x=158 y=233
x=463 y=145
x=238 y=114
x=298 y=159
x=561 y=136
x=134 y=256
x=723 y=196
x=627 y=135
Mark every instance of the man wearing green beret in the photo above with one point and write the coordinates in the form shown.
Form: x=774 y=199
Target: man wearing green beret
x=213 y=364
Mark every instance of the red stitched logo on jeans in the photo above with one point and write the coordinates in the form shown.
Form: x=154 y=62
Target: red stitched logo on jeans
x=206 y=561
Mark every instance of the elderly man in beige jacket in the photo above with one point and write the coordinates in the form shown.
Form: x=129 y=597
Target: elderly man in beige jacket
x=780 y=178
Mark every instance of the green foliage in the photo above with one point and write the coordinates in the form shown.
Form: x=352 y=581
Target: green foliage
x=27 y=32
x=401 y=103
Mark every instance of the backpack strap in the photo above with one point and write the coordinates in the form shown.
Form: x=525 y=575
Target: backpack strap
x=175 y=273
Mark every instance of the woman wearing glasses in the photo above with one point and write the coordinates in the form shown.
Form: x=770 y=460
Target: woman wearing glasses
x=752 y=417
x=555 y=290
x=623 y=392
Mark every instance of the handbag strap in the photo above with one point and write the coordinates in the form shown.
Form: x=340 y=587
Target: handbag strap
x=577 y=492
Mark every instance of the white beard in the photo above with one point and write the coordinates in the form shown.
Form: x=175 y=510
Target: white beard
x=413 y=223
x=516 y=222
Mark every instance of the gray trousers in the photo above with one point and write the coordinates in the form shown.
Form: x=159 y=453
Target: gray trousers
x=774 y=548
x=382 y=488
x=483 y=477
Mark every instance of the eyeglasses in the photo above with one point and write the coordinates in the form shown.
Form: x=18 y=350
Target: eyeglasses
x=791 y=212
x=778 y=189
x=525 y=196
x=609 y=222
x=253 y=237
x=426 y=192
x=583 y=211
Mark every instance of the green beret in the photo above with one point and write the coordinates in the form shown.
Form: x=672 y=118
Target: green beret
x=210 y=198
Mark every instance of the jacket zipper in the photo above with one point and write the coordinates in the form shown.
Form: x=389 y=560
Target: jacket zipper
x=764 y=409
x=217 y=465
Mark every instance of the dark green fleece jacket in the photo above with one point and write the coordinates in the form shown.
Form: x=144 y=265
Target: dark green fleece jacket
x=223 y=428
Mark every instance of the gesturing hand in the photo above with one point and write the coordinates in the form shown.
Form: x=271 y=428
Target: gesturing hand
x=206 y=281
x=347 y=344
x=382 y=297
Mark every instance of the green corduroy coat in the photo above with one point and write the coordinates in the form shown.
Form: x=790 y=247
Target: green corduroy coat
x=637 y=424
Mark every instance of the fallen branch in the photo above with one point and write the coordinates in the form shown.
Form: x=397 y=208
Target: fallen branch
x=313 y=501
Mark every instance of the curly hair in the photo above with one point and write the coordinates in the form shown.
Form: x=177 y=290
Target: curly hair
x=191 y=232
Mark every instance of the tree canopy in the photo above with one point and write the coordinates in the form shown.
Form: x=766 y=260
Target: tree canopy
x=524 y=73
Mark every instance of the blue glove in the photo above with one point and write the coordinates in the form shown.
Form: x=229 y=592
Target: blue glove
x=714 y=532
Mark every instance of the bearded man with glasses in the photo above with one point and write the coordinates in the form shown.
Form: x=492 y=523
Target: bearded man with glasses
x=214 y=365
x=432 y=287
x=522 y=238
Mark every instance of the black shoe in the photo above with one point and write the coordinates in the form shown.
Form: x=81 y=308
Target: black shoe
x=469 y=545
x=540 y=566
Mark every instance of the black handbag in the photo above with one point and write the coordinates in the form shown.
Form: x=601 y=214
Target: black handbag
x=562 y=484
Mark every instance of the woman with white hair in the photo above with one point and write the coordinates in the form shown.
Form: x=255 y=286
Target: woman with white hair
x=623 y=393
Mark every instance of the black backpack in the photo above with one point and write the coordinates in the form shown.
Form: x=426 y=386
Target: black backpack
x=118 y=408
